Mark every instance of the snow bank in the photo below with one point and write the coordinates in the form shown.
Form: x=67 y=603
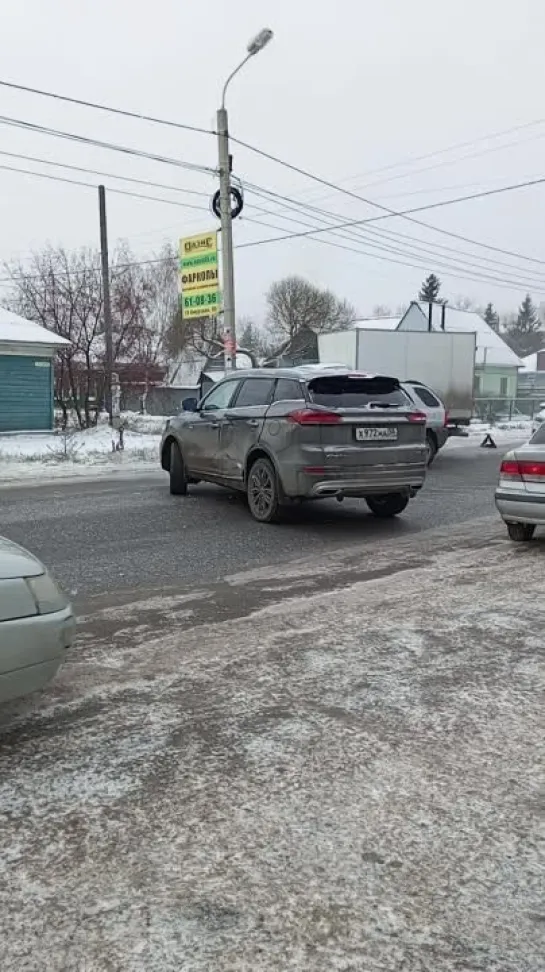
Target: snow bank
x=77 y=453
x=509 y=433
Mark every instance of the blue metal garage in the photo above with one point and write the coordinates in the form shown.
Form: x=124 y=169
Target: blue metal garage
x=26 y=374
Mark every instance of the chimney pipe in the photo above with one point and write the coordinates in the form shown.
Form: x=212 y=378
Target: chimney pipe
x=443 y=314
x=430 y=315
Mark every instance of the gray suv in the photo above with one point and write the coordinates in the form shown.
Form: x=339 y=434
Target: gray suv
x=300 y=434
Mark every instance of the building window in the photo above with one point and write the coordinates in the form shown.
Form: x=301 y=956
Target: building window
x=504 y=384
x=477 y=385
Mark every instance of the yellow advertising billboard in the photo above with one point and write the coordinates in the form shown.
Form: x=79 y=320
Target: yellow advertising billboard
x=198 y=278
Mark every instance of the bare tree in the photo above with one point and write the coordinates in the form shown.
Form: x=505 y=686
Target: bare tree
x=62 y=291
x=294 y=304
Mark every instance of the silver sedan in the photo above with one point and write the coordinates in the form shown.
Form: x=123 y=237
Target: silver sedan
x=36 y=623
x=520 y=494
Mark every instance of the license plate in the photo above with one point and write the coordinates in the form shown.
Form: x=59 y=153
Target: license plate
x=376 y=433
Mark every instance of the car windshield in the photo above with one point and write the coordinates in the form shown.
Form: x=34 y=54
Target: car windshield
x=352 y=391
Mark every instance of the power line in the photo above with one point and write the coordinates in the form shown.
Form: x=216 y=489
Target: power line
x=82 y=139
x=91 y=185
x=324 y=215
x=102 y=174
x=178 y=163
x=174 y=124
x=311 y=232
x=443 y=151
x=437 y=165
x=501 y=282
x=456 y=236
x=423 y=251
x=321 y=214
x=406 y=213
x=480 y=274
x=99 y=107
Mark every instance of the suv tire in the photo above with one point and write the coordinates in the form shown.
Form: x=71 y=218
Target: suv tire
x=178 y=478
x=391 y=504
x=262 y=491
x=431 y=446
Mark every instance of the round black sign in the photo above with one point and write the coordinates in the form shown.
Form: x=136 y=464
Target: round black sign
x=237 y=199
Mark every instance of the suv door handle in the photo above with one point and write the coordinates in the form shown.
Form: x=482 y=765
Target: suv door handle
x=254 y=423
x=215 y=425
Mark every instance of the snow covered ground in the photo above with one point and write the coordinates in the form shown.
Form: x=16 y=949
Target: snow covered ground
x=81 y=452
x=503 y=434
x=77 y=453
x=325 y=766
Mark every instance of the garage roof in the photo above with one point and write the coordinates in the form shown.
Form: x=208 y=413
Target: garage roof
x=17 y=330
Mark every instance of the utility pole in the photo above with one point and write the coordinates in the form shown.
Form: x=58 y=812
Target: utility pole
x=224 y=165
x=106 y=293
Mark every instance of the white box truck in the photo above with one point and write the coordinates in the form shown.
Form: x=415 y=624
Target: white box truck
x=443 y=360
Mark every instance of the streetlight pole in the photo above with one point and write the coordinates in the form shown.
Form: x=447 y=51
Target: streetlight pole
x=106 y=297
x=224 y=166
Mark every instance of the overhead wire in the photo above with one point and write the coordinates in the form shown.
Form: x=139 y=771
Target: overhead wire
x=312 y=230
x=363 y=234
x=168 y=122
x=114 y=111
x=504 y=282
x=192 y=166
x=179 y=125
x=91 y=185
x=386 y=210
x=100 y=172
x=97 y=143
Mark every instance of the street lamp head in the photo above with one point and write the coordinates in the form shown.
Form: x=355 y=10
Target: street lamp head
x=260 y=41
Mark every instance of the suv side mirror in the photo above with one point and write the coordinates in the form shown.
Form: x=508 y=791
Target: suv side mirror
x=190 y=404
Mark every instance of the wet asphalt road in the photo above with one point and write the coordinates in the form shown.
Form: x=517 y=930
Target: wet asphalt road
x=113 y=536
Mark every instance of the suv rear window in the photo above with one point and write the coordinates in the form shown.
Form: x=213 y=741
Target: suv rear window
x=344 y=391
x=426 y=396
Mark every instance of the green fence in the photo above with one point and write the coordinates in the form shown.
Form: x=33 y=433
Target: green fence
x=508 y=409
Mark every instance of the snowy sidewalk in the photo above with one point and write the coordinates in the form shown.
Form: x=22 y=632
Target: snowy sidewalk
x=332 y=765
x=77 y=453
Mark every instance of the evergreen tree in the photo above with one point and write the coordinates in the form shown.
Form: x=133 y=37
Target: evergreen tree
x=429 y=290
x=525 y=335
x=492 y=317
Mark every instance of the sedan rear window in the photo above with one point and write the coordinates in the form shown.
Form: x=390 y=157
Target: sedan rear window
x=345 y=391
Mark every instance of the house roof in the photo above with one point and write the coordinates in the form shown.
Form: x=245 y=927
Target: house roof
x=491 y=348
x=17 y=330
x=378 y=323
x=529 y=363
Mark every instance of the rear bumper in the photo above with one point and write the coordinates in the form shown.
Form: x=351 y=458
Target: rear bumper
x=521 y=507
x=31 y=651
x=362 y=481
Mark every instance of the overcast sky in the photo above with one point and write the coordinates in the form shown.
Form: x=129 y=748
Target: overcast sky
x=344 y=89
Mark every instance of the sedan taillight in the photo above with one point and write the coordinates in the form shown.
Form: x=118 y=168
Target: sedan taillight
x=522 y=469
x=509 y=469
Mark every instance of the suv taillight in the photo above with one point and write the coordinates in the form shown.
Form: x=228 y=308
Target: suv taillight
x=309 y=416
x=416 y=417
